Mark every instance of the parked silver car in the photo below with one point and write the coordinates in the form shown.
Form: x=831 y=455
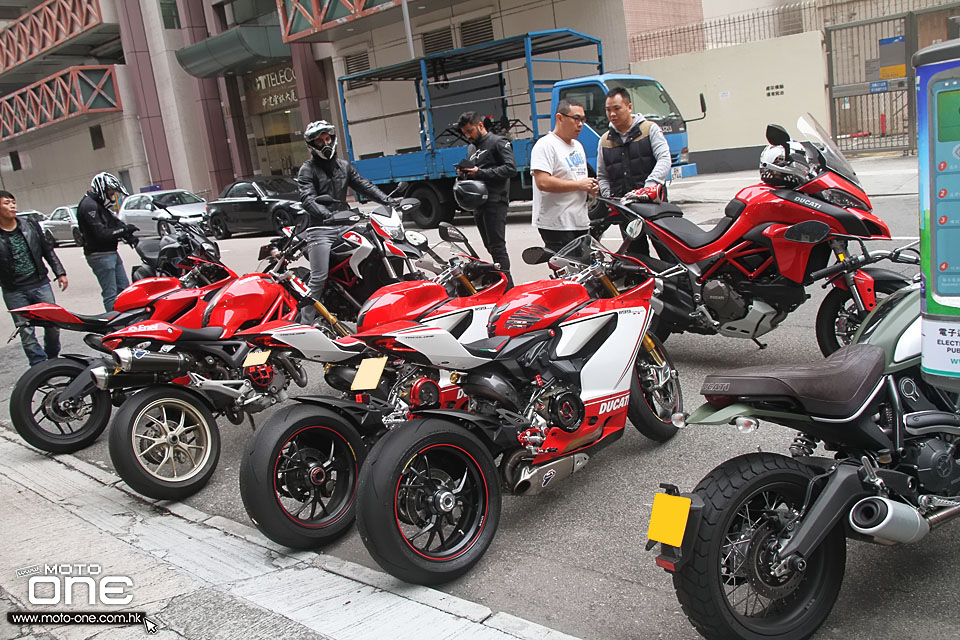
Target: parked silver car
x=140 y=208
x=61 y=225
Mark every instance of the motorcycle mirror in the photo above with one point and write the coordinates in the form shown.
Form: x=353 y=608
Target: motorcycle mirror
x=416 y=238
x=536 y=255
x=400 y=188
x=634 y=229
x=808 y=232
x=777 y=135
x=324 y=199
x=450 y=233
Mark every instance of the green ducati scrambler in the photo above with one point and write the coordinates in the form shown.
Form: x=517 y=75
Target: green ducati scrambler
x=758 y=549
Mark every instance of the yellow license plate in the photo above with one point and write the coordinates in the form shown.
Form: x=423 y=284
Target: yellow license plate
x=368 y=374
x=256 y=358
x=668 y=520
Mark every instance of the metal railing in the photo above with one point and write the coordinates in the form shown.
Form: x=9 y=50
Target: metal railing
x=72 y=92
x=44 y=27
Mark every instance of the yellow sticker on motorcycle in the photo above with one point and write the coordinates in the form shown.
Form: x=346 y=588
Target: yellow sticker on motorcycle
x=668 y=520
x=256 y=358
x=368 y=374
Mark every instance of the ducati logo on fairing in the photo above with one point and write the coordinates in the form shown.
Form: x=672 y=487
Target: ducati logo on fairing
x=813 y=204
x=613 y=405
x=547 y=477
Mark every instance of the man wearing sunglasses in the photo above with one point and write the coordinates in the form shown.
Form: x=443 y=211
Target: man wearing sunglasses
x=560 y=180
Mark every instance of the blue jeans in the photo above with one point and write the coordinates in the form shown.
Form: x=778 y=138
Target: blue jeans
x=319 y=242
x=108 y=267
x=51 y=335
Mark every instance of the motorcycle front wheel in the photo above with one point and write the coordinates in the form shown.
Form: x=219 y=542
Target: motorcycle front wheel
x=298 y=476
x=838 y=318
x=728 y=588
x=654 y=392
x=164 y=443
x=46 y=423
x=428 y=503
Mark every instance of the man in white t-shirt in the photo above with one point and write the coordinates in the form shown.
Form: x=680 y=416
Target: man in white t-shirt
x=560 y=181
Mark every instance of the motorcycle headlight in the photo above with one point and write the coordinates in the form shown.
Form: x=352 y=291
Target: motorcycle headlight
x=843 y=199
x=396 y=233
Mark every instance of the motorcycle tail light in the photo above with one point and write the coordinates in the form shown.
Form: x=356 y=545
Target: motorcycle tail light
x=720 y=401
x=112 y=343
x=269 y=342
x=391 y=344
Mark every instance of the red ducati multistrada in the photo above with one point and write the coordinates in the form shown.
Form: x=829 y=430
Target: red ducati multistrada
x=744 y=276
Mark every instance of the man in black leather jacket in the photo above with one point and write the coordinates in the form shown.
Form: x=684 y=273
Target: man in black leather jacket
x=490 y=160
x=325 y=174
x=102 y=230
x=23 y=276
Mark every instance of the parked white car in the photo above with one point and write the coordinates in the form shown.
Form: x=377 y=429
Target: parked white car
x=140 y=209
x=62 y=226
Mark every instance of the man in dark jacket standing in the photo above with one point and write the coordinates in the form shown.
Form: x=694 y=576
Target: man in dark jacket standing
x=101 y=231
x=323 y=174
x=23 y=276
x=490 y=160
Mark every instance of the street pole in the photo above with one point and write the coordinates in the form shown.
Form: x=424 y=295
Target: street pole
x=406 y=26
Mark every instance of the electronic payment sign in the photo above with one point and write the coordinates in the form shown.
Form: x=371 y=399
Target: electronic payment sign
x=938 y=153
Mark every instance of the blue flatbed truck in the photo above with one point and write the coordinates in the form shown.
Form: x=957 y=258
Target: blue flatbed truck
x=474 y=79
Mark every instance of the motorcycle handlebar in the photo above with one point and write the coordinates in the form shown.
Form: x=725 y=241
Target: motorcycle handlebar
x=477 y=268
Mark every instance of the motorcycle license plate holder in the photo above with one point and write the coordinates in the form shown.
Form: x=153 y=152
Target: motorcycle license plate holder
x=666 y=528
x=368 y=374
x=256 y=358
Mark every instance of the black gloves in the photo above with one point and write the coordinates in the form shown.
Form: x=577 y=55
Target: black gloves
x=393 y=203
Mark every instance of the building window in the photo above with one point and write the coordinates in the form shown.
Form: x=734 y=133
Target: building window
x=357 y=63
x=169 y=14
x=476 y=31
x=437 y=40
x=15 y=160
x=96 y=137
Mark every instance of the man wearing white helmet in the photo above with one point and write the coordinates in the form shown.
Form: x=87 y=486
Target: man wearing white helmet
x=323 y=174
x=101 y=230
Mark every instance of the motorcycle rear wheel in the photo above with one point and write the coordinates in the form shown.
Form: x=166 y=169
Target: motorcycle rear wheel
x=428 y=502
x=158 y=429
x=51 y=428
x=838 y=319
x=298 y=476
x=727 y=589
x=654 y=393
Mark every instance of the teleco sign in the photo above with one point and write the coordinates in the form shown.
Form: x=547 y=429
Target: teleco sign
x=271 y=90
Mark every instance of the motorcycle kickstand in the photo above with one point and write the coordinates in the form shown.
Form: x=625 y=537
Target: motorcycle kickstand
x=759 y=344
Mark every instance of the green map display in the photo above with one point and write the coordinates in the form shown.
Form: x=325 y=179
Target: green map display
x=948 y=116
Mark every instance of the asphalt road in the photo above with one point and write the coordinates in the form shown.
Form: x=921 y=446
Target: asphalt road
x=573 y=558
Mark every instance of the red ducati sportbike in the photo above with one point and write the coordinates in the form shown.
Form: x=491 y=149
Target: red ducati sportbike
x=565 y=364
x=743 y=277
x=54 y=405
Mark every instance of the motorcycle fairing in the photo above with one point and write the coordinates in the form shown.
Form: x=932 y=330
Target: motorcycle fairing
x=143 y=292
x=400 y=300
x=535 y=305
x=156 y=330
x=241 y=302
x=310 y=342
x=361 y=249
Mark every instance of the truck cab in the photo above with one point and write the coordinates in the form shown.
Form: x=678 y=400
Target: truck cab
x=648 y=97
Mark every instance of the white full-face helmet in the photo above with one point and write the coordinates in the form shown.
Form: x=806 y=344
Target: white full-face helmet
x=101 y=186
x=312 y=134
x=785 y=165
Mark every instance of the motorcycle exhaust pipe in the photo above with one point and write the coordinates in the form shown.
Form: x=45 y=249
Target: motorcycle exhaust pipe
x=534 y=480
x=105 y=379
x=138 y=360
x=883 y=518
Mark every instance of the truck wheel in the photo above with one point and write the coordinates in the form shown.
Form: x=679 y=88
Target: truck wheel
x=430 y=213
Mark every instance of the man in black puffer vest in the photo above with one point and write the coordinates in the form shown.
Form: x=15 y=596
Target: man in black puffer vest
x=632 y=154
x=490 y=160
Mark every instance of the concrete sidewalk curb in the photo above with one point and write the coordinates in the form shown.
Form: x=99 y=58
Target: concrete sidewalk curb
x=245 y=536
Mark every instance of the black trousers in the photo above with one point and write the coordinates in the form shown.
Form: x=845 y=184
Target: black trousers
x=555 y=240
x=491 y=221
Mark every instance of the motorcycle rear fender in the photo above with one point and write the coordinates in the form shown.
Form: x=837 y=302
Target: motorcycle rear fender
x=490 y=431
x=708 y=414
x=366 y=419
x=672 y=559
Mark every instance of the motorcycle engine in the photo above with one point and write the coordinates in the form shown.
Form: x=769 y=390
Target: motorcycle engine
x=933 y=462
x=562 y=407
x=724 y=300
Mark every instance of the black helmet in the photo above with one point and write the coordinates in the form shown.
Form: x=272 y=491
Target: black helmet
x=470 y=194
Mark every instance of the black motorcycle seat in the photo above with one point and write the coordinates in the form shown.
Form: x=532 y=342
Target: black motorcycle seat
x=655 y=211
x=149 y=247
x=690 y=234
x=206 y=333
x=835 y=387
x=486 y=348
